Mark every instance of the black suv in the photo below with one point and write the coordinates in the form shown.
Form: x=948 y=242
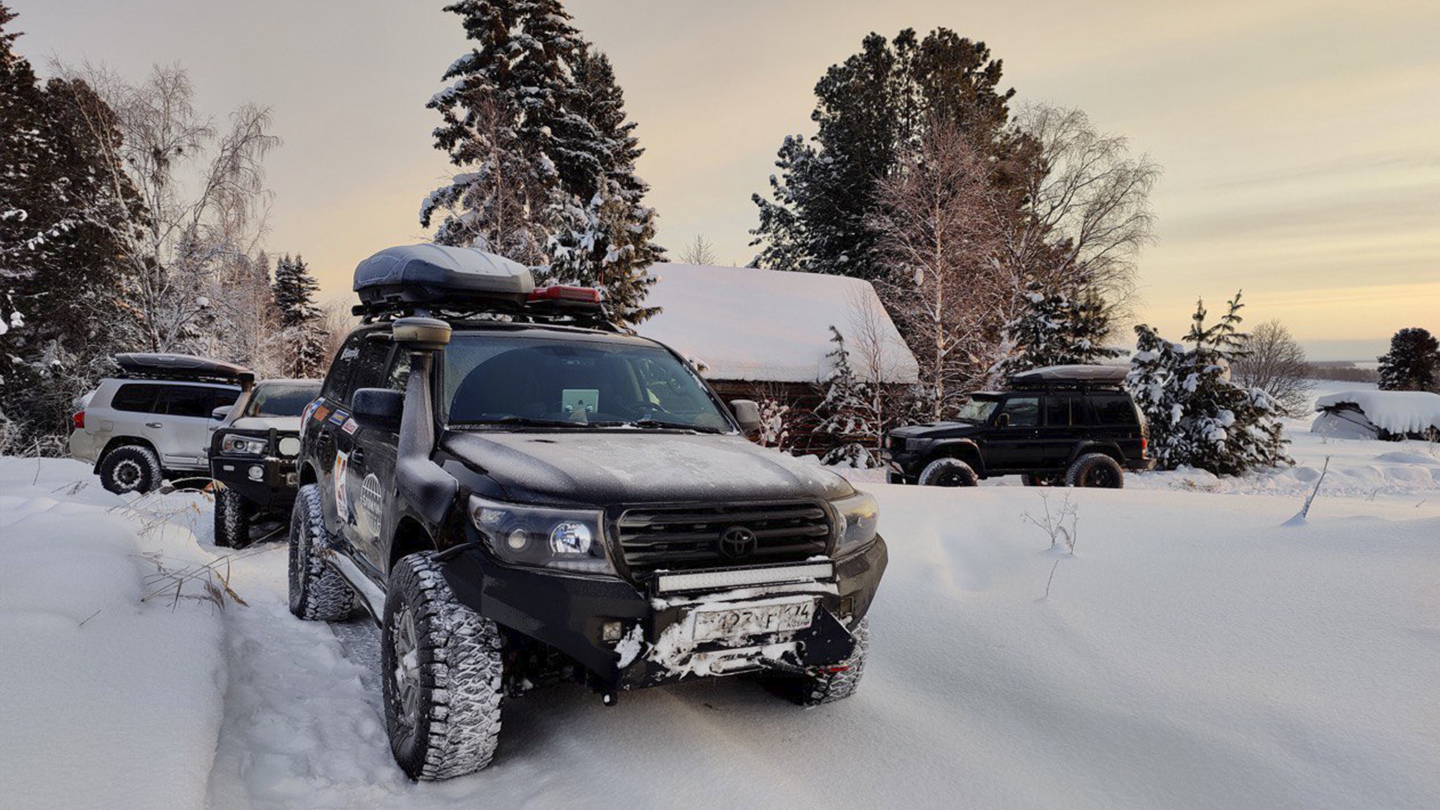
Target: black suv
x=1071 y=425
x=518 y=494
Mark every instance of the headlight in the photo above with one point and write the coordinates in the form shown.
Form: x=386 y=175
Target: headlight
x=856 y=516
x=567 y=539
x=243 y=445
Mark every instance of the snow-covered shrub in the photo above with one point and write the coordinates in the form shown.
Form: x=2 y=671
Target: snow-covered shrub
x=1198 y=416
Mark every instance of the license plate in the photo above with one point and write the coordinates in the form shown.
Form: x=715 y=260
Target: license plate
x=752 y=620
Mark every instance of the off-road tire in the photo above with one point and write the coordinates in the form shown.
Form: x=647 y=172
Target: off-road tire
x=948 y=472
x=317 y=591
x=130 y=468
x=233 y=514
x=447 y=723
x=1095 y=470
x=822 y=687
x=1050 y=480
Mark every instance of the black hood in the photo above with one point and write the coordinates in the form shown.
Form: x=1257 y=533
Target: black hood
x=608 y=468
x=932 y=430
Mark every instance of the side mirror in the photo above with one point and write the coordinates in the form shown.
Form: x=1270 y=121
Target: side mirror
x=220 y=413
x=747 y=413
x=1002 y=421
x=421 y=334
x=378 y=409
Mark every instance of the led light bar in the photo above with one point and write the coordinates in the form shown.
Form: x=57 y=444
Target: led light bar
x=711 y=580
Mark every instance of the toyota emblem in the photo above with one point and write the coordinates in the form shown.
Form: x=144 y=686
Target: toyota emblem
x=736 y=542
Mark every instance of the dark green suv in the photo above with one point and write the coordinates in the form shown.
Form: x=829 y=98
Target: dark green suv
x=1071 y=425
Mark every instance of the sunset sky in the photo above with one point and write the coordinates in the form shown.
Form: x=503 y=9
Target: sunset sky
x=1300 y=140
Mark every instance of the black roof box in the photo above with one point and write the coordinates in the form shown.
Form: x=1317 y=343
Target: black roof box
x=181 y=367
x=1071 y=375
x=437 y=274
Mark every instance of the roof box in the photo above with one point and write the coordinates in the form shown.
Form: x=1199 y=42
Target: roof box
x=181 y=367
x=1072 y=375
x=437 y=274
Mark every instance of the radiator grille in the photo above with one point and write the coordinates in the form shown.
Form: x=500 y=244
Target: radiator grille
x=690 y=537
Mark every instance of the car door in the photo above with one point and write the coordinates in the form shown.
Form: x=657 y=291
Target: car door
x=322 y=425
x=182 y=435
x=1060 y=431
x=370 y=466
x=1014 y=441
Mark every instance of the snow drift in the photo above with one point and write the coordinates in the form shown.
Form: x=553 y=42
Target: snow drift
x=107 y=702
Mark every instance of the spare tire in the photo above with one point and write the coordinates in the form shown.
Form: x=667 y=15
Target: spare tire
x=948 y=472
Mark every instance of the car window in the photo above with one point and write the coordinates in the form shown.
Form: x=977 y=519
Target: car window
x=1113 y=409
x=196 y=400
x=337 y=380
x=1058 y=410
x=281 y=399
x=977 y=408
x=371 y=366
x=136 y=398
x=399 y=371
x=1023 y=411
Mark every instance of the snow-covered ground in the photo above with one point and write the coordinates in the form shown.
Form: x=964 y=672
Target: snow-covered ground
x=1194 y=652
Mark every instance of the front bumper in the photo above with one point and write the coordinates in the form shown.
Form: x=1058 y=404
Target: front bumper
x=570 y=613
x=275 y=486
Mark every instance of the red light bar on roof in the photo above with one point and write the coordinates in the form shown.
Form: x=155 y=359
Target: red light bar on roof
x=562 y=292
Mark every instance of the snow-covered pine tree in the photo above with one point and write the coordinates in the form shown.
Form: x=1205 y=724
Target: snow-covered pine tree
x=63 y=312
x=1413 y=362
x=845 y=412
x=1057 y=328
x=537 y=124
x=607 y=242
x=1197 y=415
x=302 y=322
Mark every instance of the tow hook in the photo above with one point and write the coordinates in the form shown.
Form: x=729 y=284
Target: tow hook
x=781 y=666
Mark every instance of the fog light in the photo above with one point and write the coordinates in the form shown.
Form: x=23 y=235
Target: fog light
x=517 y=539
x=612 y=631
x=257 y=472
x=570 y=537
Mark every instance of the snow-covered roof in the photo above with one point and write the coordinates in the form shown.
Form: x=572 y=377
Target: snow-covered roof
x=772 y=326
x=1395 y=411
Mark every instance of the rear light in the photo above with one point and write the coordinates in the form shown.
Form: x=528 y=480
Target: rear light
x=1144 y=446
x=561 y=292
x=79 y=420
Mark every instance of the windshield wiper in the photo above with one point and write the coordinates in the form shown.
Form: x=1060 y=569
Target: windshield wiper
x=530 y=421
x=659 y=424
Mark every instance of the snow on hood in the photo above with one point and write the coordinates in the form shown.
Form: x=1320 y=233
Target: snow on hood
x=283 y=424
x=1395 y=411
x=607 y=468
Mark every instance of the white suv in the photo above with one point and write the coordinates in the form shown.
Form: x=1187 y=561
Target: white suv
x=155 y=422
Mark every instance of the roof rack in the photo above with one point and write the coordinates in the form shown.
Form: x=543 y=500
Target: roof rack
x=467 y=283
x=187 y=367
x=1072 y=376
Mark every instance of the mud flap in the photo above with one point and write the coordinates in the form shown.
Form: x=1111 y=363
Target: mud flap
x=826 y=640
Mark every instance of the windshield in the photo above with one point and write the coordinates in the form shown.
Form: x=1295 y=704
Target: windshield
x=281 y=399
x=498 y=378
x=978 y=408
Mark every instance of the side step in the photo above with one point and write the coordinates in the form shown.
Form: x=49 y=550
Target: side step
x=371 y=597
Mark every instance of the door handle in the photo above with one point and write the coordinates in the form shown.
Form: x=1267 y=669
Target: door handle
x=155 y=425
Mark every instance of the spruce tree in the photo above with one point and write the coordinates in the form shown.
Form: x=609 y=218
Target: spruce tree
x=301 y=320
x=1413 y=362
x=870 y=111
x=844 y=412
x=63 y=311
x=1055 y=329
x=1197 y=416
x=535 y=122
x=607 y=242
